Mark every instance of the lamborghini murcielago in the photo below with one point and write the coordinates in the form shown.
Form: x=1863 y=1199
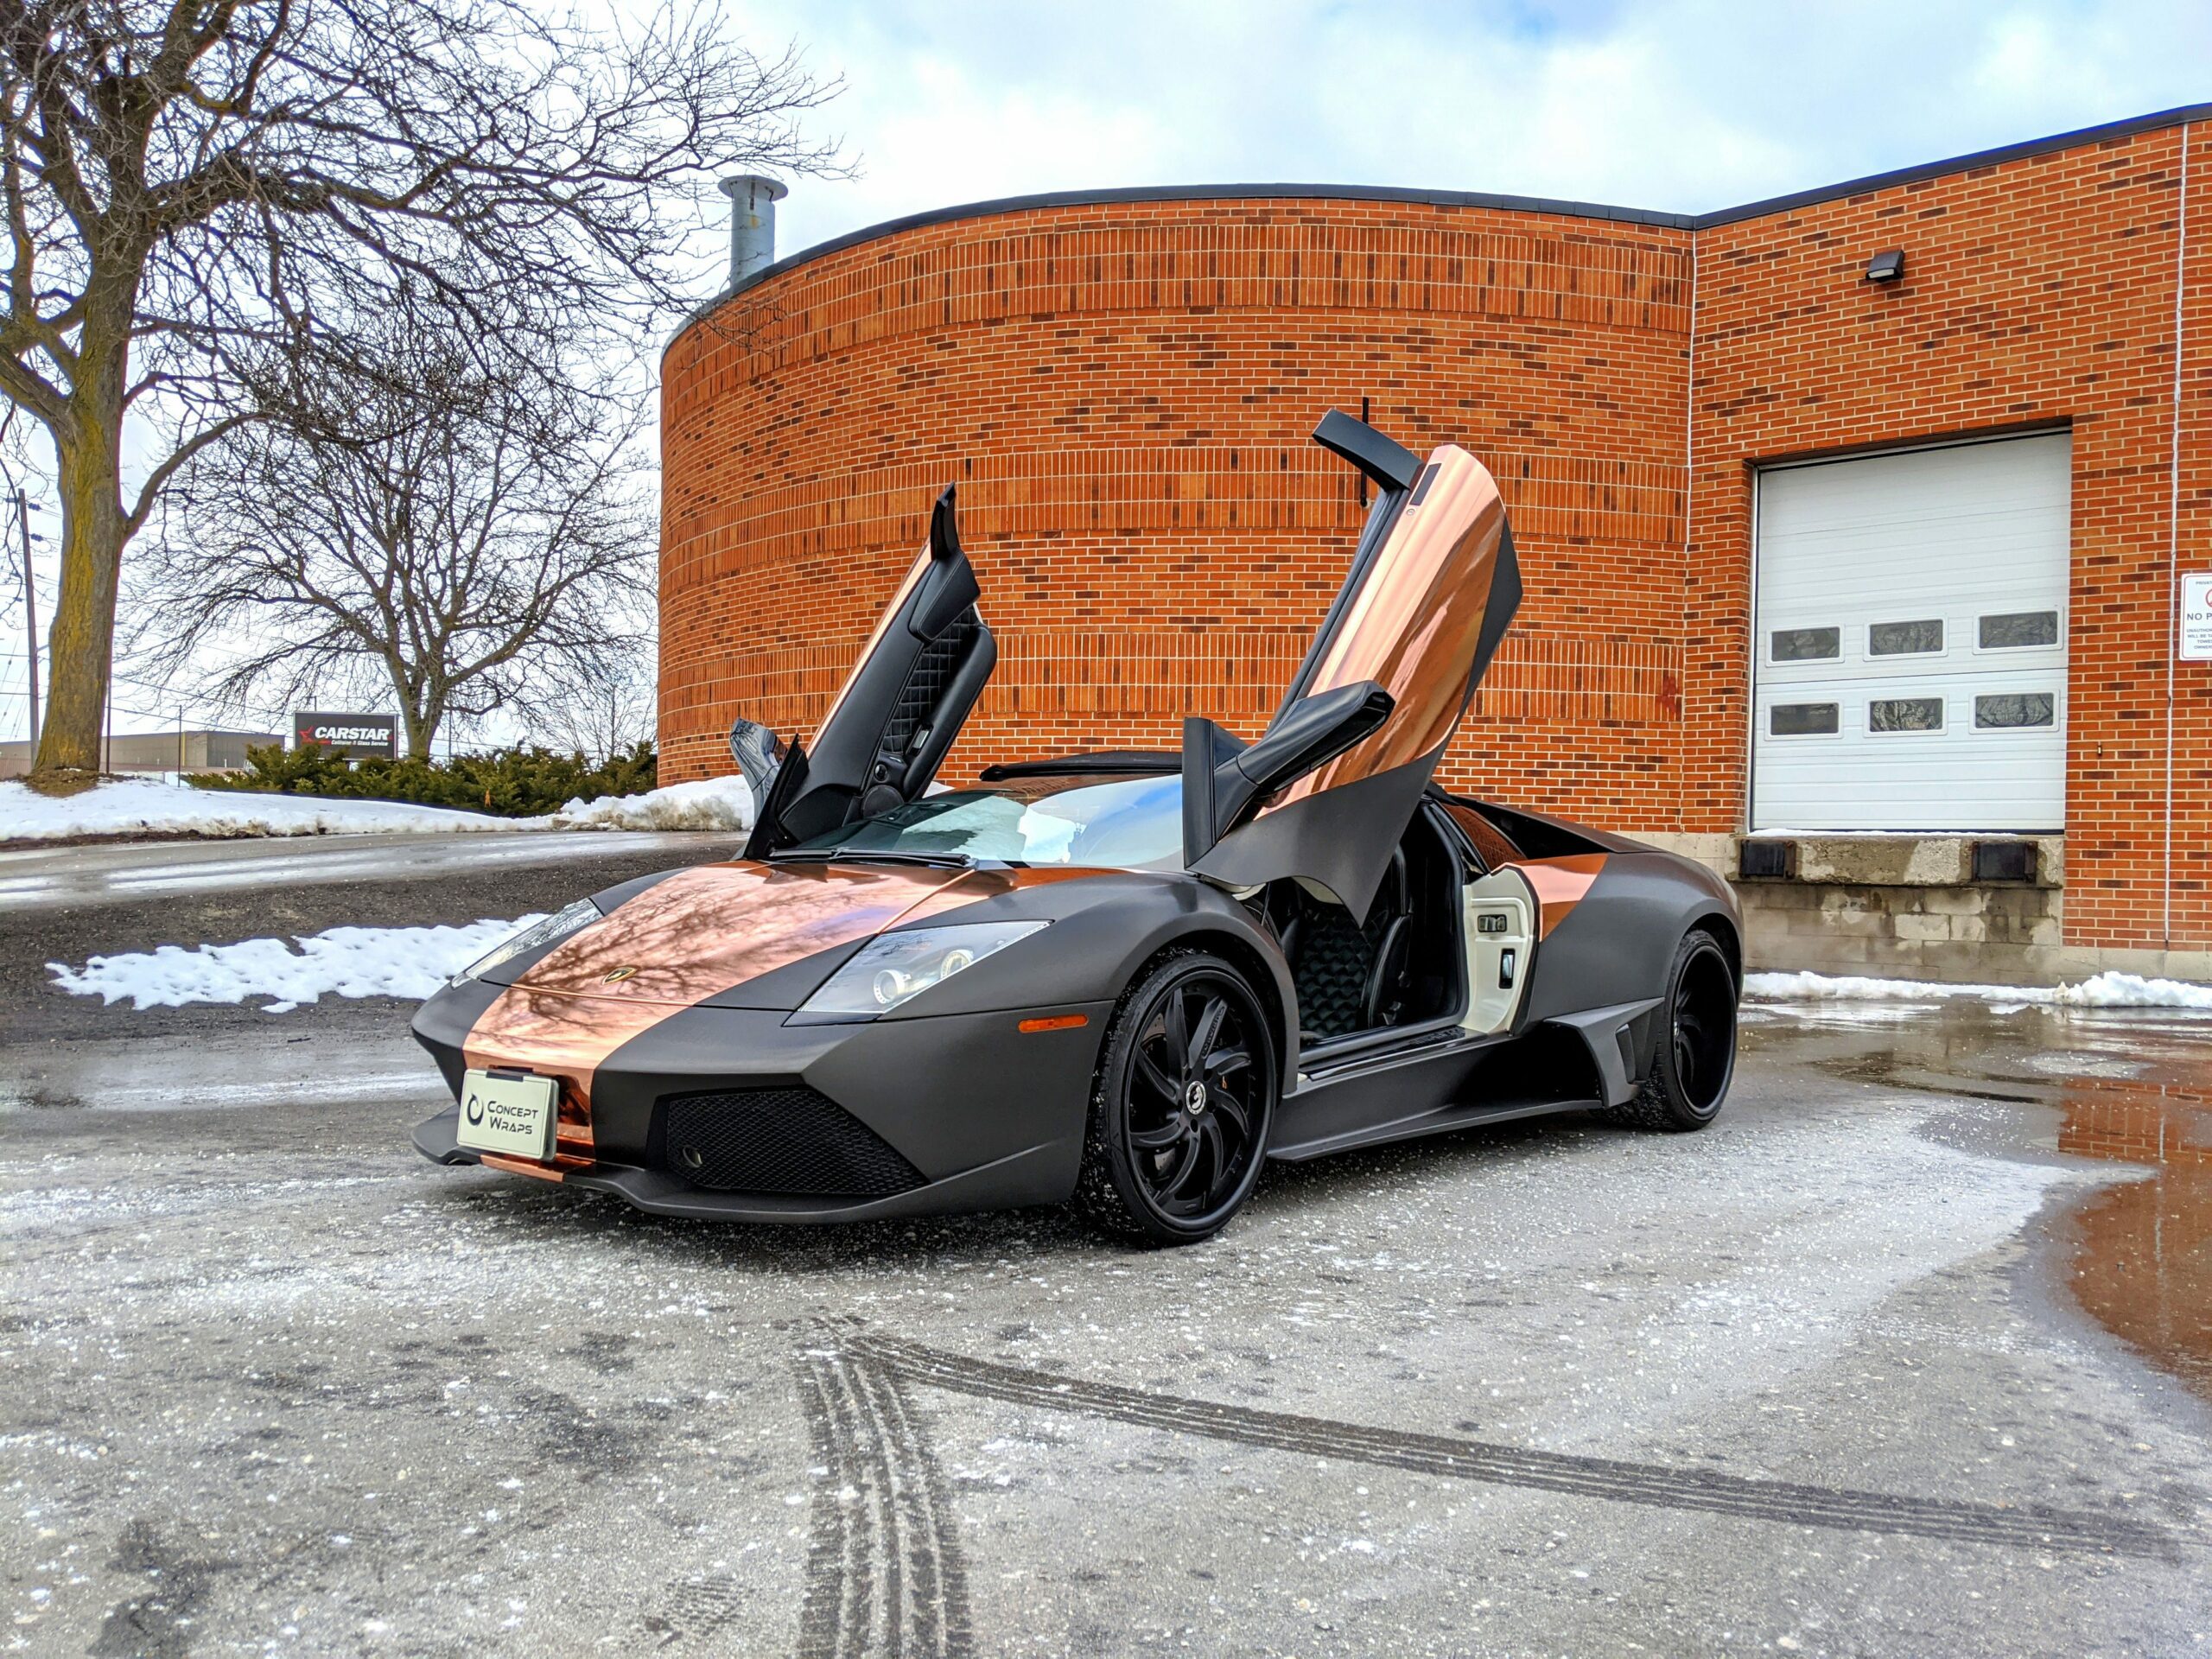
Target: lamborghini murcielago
x=1124 y=980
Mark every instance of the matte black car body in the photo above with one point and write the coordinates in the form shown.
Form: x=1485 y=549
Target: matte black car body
x=694 y=1080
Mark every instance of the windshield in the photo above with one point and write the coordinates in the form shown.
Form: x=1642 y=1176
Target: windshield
x=1130 y=823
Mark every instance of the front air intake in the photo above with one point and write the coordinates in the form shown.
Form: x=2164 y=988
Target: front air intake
x=792 y=1141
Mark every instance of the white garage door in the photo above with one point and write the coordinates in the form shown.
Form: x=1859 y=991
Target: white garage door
x=1910 y=655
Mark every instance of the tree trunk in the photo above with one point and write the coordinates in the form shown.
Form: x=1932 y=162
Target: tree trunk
x=81 y=643
x=88 y=457
x=421 y=724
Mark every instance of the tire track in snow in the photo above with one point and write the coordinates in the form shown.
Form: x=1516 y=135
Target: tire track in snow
x=884 y=1574
x=1786 y=1503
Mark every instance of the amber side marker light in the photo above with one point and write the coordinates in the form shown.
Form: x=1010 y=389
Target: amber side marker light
x=1055 y=1022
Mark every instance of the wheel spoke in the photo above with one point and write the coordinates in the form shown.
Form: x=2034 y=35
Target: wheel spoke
x=1161 y=1138
x=1150 y=1070
x=1178 y=1027
x=1202 y=1039
x=1223 y=1061
x=1186 y=1166
x=1230 y=1108
x=1209 y=1132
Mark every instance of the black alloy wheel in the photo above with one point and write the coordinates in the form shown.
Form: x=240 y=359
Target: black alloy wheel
x=1695 y=1058
x=1184 y=1099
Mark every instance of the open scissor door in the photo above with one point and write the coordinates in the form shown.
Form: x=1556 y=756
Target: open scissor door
x=891 y=723
x=1327 y=790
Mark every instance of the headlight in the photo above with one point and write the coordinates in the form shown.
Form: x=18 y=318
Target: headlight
x=895 y=968
x=569 y=919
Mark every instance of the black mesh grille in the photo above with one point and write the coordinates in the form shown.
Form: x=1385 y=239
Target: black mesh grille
x=795 y=1141
x=939 y=660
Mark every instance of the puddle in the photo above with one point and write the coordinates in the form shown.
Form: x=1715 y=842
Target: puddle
x=2143 y=1255
x=2129 y=1087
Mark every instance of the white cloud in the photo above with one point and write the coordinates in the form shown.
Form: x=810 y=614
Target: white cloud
x=1682 y=104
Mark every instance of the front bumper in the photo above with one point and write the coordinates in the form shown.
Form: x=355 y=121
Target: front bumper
x=987 y=1117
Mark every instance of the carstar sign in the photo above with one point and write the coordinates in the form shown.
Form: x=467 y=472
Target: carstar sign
x=348 y=734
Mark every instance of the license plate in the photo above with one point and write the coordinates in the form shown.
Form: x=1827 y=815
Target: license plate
x=508 y=1112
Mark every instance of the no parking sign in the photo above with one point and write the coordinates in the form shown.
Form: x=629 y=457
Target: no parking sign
x=2197 y=619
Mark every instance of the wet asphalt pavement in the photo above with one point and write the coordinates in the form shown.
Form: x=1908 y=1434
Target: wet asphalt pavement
x=1911 y=1353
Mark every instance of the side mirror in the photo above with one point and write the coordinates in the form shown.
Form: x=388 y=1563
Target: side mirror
x=1222 y=777
x=757 y=753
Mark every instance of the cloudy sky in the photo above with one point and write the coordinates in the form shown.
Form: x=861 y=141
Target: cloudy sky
x=1683 y=104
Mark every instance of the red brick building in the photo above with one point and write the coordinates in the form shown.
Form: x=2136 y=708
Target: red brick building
x=1122 y=386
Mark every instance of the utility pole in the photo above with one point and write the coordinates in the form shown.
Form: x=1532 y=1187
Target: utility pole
x=31 y=607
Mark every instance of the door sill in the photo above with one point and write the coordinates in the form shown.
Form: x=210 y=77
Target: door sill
x=1343 y=1055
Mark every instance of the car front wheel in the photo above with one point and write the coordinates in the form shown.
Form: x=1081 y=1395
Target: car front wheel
x=1181 y=1107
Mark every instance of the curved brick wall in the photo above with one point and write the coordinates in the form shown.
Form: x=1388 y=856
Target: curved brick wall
x=1122 y=393
x=1123 y=390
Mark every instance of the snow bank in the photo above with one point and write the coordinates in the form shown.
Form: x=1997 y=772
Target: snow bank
x=140 y=806
x=2105 y=990
x=708 y=804
x=135 y=806
x=405 y=962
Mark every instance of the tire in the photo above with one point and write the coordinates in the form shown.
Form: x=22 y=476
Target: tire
x=1159 y=1166
x=1694 y=1059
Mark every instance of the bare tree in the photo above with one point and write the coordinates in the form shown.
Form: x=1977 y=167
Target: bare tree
x=194 y=185
x=475 y=543
x=605 y=710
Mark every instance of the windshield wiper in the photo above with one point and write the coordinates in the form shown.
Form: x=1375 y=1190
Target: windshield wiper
x=842 y=855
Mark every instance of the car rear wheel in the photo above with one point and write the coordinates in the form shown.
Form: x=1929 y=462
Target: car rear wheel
x=1695 y=1057
x=1181 y=1107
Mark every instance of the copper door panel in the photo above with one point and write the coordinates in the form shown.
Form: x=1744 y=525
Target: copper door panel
x=1560 y=884
x=1415 y=624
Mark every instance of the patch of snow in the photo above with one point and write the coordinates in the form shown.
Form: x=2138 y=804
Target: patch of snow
x=139 y=806
x=706 y=804
x=2110 y=989
x=402 y=962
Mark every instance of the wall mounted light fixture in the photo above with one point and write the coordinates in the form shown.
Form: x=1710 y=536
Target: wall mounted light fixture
x=1885 y=267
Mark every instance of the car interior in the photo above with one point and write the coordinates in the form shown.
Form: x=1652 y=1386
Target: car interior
x=1403 y=966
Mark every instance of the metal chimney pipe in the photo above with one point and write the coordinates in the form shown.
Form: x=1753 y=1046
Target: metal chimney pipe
x=753 y=201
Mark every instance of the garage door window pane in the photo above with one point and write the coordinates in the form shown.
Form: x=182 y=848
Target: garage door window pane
x=1808 y=645
x=2019 y=628
x=1905 y=639
x=1802 y=719
x=2016 y=708
x=1905 y=714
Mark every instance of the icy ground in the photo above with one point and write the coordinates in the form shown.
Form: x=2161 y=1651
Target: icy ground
x=140 y=806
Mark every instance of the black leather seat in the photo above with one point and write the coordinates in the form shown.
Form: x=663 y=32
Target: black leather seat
x=1350 y=979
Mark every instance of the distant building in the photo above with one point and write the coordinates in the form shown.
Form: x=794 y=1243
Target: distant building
x=186 y=751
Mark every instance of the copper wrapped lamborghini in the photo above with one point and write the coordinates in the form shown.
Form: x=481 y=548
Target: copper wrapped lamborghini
x=1127 y=981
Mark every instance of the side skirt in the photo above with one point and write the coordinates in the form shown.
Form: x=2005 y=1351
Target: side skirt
x=1440 y=1121
x=1425 y=1087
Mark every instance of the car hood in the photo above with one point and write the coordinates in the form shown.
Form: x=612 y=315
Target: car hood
x=700 y=933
